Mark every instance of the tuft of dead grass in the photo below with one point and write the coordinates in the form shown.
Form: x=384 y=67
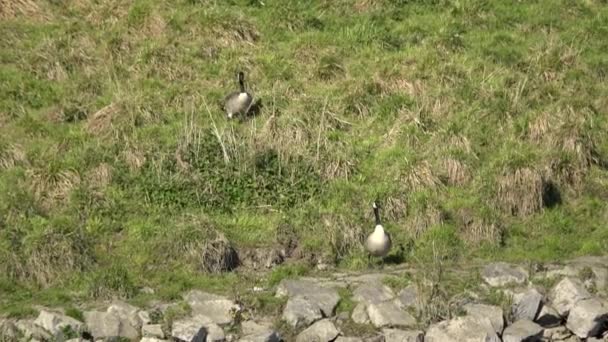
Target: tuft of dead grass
x=100 y=123
x=11 y=156
x=216 y=255
x=134 y=158
x=100 y=176
x=565 y=133
x=53 y=256
x=520 y=193
x=196 y=244
x=421 y=177
x=395 y=207
x=13 y=9
x=344 y=236
x=51 y=188
x=476 y=230
x=427 y=218
x=455 y=171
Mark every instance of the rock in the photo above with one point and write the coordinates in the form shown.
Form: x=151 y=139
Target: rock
x=566 y=294
x=373 y=292
x=493 y=314
x=217 y=308
x=78 y=339
x=526 y=305
x=324 y=298
x=500 y=274
x=8 y=330
x=376 y=338
x=321 y=331
x=144 y=317
x=57 y=323
x=548 y=317
x=409 y=297
x=30 y=331
x=559 y=333
x=264 y=336
x=359 y=314
x=523 y=330
x=348 y=339
x=389 y=314
x=152 y=339
x=461 y=329
x=597 y=265
x=152 y=330
x=103 y=325
x=395 y=335
x=128 y=314
x=588 y=318
x=299 y=312
x=252 y=327
x=189 y=330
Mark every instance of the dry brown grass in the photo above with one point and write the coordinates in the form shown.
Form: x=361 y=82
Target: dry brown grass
x=344 y=236
x=564 y=133
x=520 y=193
x=53 y=256
x=420 y=177
x=395 y=207
x=455 y=171
x=476 y=230
x=13 y=9
x=100 y=176
x=425 y=219
x=155 y=25
x=216 y=255
x=134 y=158
x=11 y=156
x=196 y=244
x=52 y=188
x=100 y=123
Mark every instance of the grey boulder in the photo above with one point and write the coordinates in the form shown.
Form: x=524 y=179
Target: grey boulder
x=526 y=305
x=299 y=312
x=500 y=274
x=152 y=330
x=57 y=323
x=523 y=330
x=372 y=292
x=325 y=298
x=389 y=314
x=322 y=331
x=490 y=313
x=461 y=329
x=254 y=332
x=220 y=310
x=396 y=335
x=588 y=318
x=104 y=325
x=409 y=297
x=566 y=294
x=359 y=314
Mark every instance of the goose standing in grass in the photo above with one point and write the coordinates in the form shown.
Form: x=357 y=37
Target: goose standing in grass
x=238 y=102
x=378 y=243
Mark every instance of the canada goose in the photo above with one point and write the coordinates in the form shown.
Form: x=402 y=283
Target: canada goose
x=378 y=243
x=238 y=102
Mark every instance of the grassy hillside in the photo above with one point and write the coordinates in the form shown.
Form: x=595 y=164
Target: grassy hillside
x=480 y=126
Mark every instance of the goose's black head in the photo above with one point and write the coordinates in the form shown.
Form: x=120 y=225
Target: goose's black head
x=376 y=212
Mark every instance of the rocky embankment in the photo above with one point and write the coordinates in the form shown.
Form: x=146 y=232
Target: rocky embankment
x=556 y=303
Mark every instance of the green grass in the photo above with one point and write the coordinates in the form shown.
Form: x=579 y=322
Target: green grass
x=480 y=127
